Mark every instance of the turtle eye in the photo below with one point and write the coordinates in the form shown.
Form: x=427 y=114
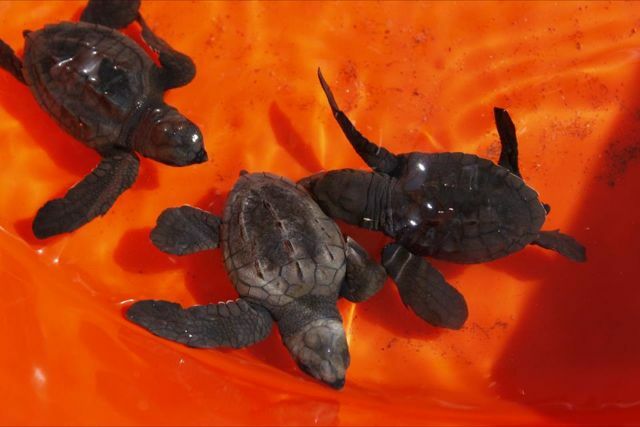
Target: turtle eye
x=312 y=341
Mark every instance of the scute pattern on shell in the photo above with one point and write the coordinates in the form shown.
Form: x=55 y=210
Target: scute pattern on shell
x=278 y=245
x=90 y=79
x=462 y=208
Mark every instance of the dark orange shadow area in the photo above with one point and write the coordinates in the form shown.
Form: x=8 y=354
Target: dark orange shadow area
x=547 y=341
x=572 y=356
x=291 y=140
x=62 y=149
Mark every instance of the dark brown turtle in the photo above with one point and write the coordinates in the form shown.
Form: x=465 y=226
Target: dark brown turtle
x=288 y=261
x=452 y=206
x=106 y=91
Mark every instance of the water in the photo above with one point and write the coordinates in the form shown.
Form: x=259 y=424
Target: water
x=547 y=340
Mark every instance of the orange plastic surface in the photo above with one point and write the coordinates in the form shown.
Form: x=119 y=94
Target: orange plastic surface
x=547 y=340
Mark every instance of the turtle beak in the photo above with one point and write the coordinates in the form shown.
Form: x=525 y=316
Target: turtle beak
x=201 y=157
x=337 y=384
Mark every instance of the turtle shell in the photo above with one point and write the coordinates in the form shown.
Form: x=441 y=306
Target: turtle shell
x=278 y=244
x=462 y=208
x=92 y=80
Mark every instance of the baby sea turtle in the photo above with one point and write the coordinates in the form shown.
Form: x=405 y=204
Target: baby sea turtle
x=452 y=206
x=288 y=261
x=102 y=88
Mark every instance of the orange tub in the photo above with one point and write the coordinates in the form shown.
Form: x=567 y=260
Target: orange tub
x=547 y=341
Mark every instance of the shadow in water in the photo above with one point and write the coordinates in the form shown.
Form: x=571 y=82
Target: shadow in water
x=147 y=175
x=63 y=149
x=146 y=181
x=205 y=276
x=576 y=347
x=291 y=140
x=272 y=352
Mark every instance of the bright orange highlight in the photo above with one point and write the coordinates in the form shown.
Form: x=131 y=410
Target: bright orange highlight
x=547 y=340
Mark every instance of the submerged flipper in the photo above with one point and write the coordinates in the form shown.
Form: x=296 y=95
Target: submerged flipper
x=507 y=131
x=563 y=244
x=378 y=158
x=364 y=277
x=185 y=230
x=111 y=13
x=89 y=198
x=234 y=324
x=10 y=62
x=177 y=68
x=423 y=288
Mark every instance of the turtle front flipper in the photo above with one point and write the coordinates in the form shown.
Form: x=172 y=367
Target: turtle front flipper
x=185 y=230
x=112 y=13
x=378 y=158
x=508 y=140
x=177 y=68
x=565 y=245
x=424 y=289
x=233 y=324
x=10 y=62
x=364 y=277
x=89 y=198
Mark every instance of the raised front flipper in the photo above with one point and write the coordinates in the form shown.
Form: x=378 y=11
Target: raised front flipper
x=10 y=62
x=563 y=244
x=365 y=277
x=508 y=140
x=111 y=13
x=232 y=324
x=423 y=288
x=378 y=158
x=177 y=68
x=185 y=230
x=91 y=197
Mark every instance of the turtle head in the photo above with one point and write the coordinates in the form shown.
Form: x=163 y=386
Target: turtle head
x=169 y=137
x=320 y=349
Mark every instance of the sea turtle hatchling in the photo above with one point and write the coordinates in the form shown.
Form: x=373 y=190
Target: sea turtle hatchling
x=289 y=263
x=106 y=91
x=456 y=207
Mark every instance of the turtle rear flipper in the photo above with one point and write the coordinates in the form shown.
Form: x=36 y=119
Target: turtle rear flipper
x=364 y=277
x=378 y=158
x=423 y=288
x=565 y=245
x=185 y=230
x=177 y=68
x=233 y=324
x=508 y=140
x=111 y=13
x=89 y=198
x=10 y=62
